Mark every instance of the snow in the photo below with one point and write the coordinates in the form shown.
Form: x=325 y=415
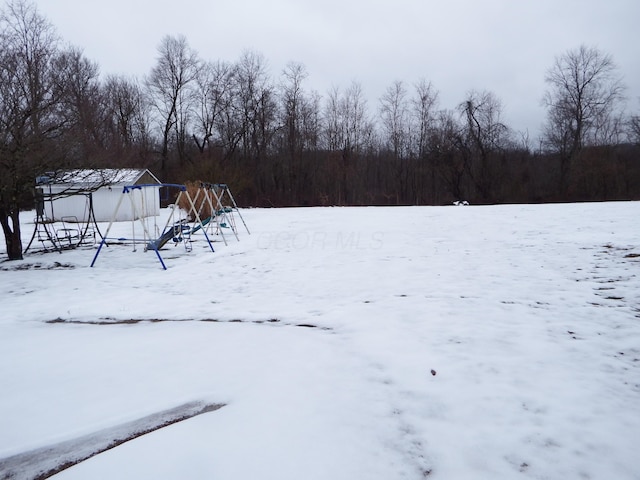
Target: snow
x=46 y=461
x=319 y=331
x=94 y=178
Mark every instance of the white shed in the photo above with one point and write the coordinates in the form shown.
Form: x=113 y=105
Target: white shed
x=70 y=193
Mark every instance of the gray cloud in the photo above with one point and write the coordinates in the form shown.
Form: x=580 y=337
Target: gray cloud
x=504 y=46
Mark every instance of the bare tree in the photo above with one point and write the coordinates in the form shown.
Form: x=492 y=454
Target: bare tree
x=584 y=93
x=634 y=129
x=168 y=85
x=349 y=133
x=293 y=99
x=127 y=110
x=445 y=148
x=31 y=102
x=214 y=99
x=423 y=104
x=256 y=104
x=395 y=122
x=394 y=115
x=358 y=127
x=84 y=105
x=333 y=123
x=299 y=119
x=485 y=135
x=128 y=120
x=423 y=113
x=347 y=124
x=482 y=112
x=311 y=121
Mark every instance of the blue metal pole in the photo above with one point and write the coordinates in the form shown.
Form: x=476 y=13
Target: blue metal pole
x=98 y=252
x=160 y=258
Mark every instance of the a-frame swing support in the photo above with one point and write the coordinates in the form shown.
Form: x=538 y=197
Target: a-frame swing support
x=206 y=200
x=224 y=188
x=179 y=229
x=218 y=190
x=153 y=245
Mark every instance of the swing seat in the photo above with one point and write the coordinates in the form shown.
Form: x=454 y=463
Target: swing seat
x=67 y=232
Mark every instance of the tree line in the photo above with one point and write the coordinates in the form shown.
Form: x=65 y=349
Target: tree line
x=279 y=144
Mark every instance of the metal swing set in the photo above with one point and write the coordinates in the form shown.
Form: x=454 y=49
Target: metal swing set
x=69 y=232
x=211 y=197
x=178 y=227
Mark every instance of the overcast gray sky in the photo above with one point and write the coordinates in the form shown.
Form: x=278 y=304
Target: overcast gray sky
x=504 y=46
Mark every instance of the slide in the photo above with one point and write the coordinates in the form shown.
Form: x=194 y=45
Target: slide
x=158 y=243
x=204 y=223
x=169 y=233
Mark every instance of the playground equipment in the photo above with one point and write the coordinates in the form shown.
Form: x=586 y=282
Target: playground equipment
x=217 y=217
x=215 y=208
x=70 y=203
x=207 y=198
x=221 y=192
x=68 y=232
x=178 y=227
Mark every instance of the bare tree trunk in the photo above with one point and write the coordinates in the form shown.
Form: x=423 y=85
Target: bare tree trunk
x=12 y=232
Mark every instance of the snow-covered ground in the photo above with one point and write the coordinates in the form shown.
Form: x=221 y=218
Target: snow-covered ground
x=345 y=343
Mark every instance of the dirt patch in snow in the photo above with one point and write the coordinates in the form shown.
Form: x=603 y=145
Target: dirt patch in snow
x=134 y=321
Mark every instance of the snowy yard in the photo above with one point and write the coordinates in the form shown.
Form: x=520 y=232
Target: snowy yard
x=445 y=343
